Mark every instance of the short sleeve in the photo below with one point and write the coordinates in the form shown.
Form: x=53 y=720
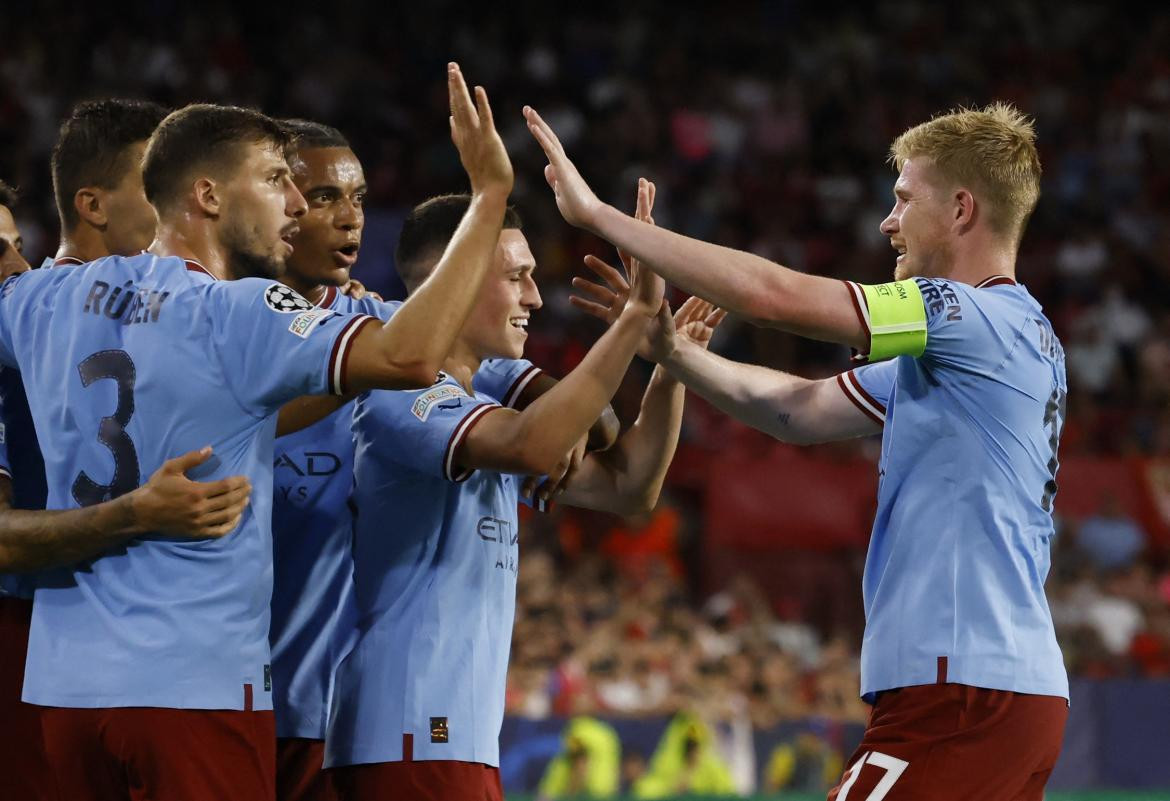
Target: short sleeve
x=274 y=345
x=870 y=387
x=504 y=379
x=422 y=429
x=382 y=309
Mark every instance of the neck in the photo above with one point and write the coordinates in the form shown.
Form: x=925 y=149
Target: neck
x=309 y=290
x=984 y=261
x=82 y=244
x=194 y=242
x=462 y=364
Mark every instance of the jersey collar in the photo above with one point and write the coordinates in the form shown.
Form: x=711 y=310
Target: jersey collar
x=196 y=267
x=67 y=261
x=328 y=298
x=995 y=280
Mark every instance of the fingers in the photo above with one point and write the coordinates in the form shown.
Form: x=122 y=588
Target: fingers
x=653 y=190
x=606 y=273
x=228 y=500
x=595 y=292
x=529 y=486
x=715 y=318
x=691 y=310
x=543 y=133
x=596 y=309
x=463 y=114
x=187 y=461
x=214 y=489
x=643 y=209
x=484 y=108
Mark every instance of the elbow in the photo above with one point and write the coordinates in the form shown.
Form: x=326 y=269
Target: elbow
x=637 y=503
x=413 y=374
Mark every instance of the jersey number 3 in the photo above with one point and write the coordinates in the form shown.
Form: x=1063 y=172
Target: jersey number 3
x=117 y=366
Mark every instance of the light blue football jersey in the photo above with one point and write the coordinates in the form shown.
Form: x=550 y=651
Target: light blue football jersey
x=435 y=561
x=313 y=613
x=152 y=357
x=954 y=578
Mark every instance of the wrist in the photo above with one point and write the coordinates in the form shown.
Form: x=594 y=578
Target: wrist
x=491 y=194
x=130 y=510
x=601 y=219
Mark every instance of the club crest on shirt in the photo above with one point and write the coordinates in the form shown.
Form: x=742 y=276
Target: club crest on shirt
x=424 y=403
x=286 y=300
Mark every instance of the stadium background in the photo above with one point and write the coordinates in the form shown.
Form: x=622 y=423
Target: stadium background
x=766 y=127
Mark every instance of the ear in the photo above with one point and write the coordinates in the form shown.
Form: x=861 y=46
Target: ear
x=207 y=198
x=88 y=203
x=964 y=210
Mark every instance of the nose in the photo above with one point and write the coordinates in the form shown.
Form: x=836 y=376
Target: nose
x=889 y=225
x=531 y=298
x=11 y=262
x=294 y=202
x=350 y=216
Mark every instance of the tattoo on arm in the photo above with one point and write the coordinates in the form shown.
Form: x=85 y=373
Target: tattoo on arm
x=783 y=418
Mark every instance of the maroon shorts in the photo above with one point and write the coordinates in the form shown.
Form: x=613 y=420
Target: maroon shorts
x=132 y=753
x=432 y=780
x=23 y=764
x=299 y=775
x=955 y=742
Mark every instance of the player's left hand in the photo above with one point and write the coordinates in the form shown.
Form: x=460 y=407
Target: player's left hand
x=171 y=503
x=606 y=301
x=357 y=290
x=576 y=201
x=548 y=488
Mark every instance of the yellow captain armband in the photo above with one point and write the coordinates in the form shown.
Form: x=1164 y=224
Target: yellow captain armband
x=897 y=319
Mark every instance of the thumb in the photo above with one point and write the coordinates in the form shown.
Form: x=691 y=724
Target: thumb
x=189 y=460
x=550 y=175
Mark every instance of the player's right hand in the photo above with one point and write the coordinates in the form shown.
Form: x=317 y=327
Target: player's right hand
x=473 y=131
x=576 y=201
x=171 y=503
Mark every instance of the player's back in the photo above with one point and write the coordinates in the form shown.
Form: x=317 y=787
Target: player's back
x=954 y=578
x=128 y=361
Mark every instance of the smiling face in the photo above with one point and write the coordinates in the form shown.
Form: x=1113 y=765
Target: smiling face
x=259 y=209
x=498 y=325
x=326 y=247
x=919 y=225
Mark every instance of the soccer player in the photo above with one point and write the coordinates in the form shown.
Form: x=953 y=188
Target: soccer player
x=31 y=539
x=312 y=518
x=97 y=179
x=419 y=700
x=959 y=659
x=152 y=661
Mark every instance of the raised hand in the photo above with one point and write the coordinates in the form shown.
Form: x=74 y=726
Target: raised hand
x=695 y=322
x=607 y=300
x=575 y=200
x=473 y=131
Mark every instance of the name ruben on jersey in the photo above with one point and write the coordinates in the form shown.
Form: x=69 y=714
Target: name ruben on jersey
x=127 y=303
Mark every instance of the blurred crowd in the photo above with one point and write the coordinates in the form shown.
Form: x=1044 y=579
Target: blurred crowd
x=766 y=127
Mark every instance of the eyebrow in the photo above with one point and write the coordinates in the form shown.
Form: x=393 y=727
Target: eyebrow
x=334 y=188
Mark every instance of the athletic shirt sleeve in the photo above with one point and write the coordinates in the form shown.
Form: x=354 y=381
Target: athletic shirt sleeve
x=423 y=429
x=274 y=345
x=504 y=379
x=870 y=387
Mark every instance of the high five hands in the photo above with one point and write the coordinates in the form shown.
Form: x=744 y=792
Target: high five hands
x=694 y=322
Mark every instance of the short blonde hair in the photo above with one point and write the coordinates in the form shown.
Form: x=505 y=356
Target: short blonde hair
x=991 y=150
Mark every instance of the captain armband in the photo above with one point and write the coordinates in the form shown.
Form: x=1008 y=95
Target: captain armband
x=897 y=319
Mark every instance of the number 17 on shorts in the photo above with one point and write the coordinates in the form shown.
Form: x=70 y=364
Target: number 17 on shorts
x=870 y=763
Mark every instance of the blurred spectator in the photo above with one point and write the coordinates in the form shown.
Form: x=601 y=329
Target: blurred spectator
x=588 y=765
x=685 y=762
x=1110 y=538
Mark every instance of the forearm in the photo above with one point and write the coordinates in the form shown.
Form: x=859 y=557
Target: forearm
x=35 y=540
x=424 y=329
x=554 y=422
x=759 y=290
x=627 y=479
x=776 y=403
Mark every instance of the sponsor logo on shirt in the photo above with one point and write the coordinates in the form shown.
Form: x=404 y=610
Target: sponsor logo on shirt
x=424 y=403
x=303 y=324
x=285 y=300
x=939 y=296
x=501 y=532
